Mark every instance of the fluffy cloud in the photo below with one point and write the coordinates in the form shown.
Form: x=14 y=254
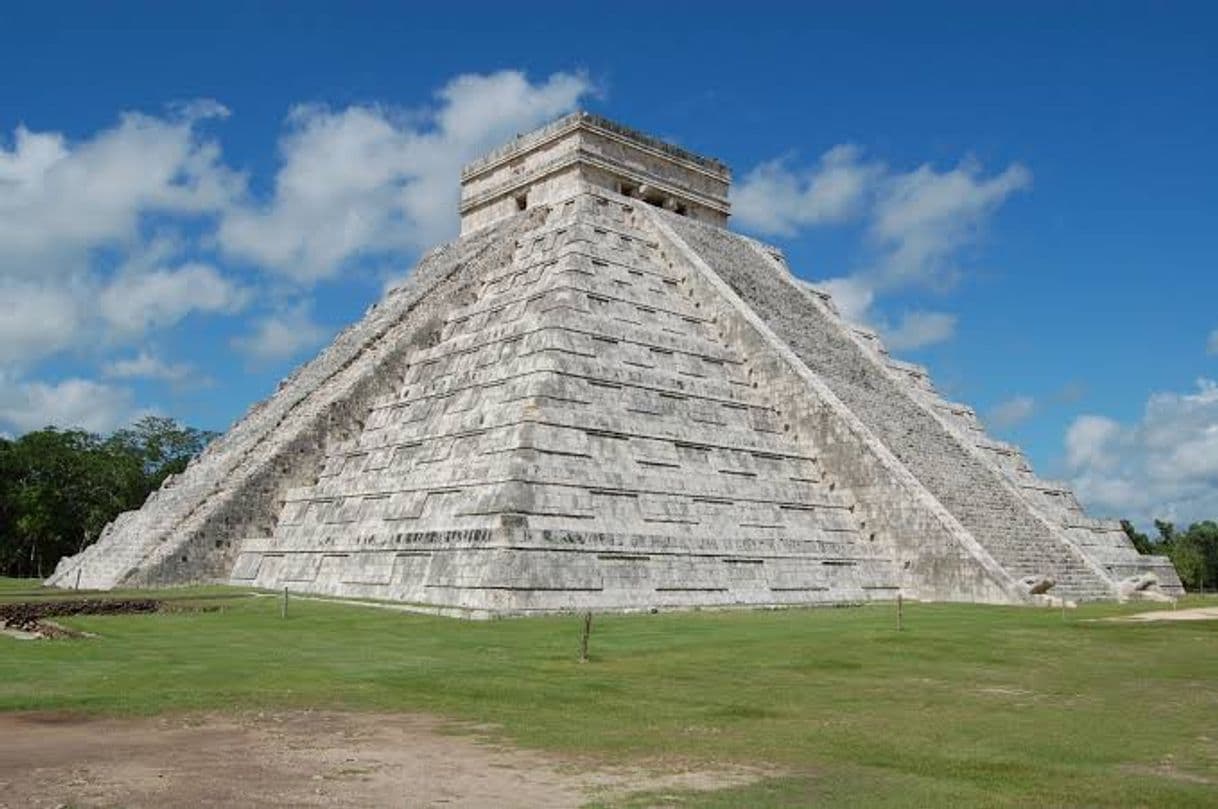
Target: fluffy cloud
x=38 y=318
x=61 y=201
x=1012 y=412
x=1089 y=443
x=916 y=222
x=370 y=180
x=774 y=198
x=103 y=239
x=71 y=403
x=919 y=329
x=75 y=231
x=1088 y=430
x=852 y=297
x=923 y=218
x=108 y=238
x=134 y=304
x=1165 y=465
x=145 y=365
x=280 y=336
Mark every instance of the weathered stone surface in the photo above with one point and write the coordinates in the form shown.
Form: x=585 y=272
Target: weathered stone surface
x=606 y=400
x=1144 y=586
x=1037 y=585
x=1026 y=525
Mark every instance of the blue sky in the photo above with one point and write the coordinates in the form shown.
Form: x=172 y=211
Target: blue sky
x=1022 y=198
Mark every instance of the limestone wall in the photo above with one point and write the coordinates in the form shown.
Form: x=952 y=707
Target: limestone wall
x=588 y=431
x=1101 y=542
x=598 y=404
x=192 y=528
x=590 y=402
x=934 y=557
x=602 y=154
x=980 y=499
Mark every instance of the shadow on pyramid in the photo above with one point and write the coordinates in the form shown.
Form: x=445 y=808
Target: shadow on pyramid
x=598 y=397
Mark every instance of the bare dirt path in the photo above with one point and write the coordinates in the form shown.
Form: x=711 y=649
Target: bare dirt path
x=1195 y=614
x=290 y=759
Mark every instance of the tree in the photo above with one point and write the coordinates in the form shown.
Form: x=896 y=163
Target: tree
x=8 y=513
x=1195 y=555
x=1193 y=552
x=59 y=488
x=1141 y=542
x=163 y=446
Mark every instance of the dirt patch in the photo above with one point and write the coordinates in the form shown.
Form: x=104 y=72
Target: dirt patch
x=26 y=615
x=304 y=758
x=40 y=630
x=28 y=620
x=1196 y=614
x=1167 y=769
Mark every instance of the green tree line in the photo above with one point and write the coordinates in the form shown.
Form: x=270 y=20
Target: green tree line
x=1194 y=552
x=59 y=488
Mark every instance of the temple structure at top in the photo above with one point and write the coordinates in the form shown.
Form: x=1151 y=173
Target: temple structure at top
x=587 y=151
x=599 y=397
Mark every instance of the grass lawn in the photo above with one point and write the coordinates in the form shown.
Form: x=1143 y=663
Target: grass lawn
x=969 y=706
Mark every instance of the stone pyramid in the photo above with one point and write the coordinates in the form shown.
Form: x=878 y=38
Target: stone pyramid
x=599 y=397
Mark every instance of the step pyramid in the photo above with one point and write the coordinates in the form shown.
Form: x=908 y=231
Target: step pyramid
x=598 y=397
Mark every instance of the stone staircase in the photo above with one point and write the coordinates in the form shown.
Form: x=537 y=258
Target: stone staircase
x=976 y=493
x=1102 y=542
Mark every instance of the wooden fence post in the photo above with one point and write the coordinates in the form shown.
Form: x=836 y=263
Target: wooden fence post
x=585 y=631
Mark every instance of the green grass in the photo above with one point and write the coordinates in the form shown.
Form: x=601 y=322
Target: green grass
x=969 y=706
x=32 y=590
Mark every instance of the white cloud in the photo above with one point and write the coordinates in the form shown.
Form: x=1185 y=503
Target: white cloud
x=774 y=198
x=120 y=233
x=79 y=403
x=924 y=217
x=280 y=336
x=1089 y=441
x=38 y=318
x=484 y=110
x=1011 y=412
x=851 y=296
x=71 y=212
x=854 y=297
x=60 y=201
x=1086 y=434
x=135 y=303
x=1211 y=346
x=919 y=329
x=147 y=366
x=1165 y=465
x=368 y=180
x=917 y=223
